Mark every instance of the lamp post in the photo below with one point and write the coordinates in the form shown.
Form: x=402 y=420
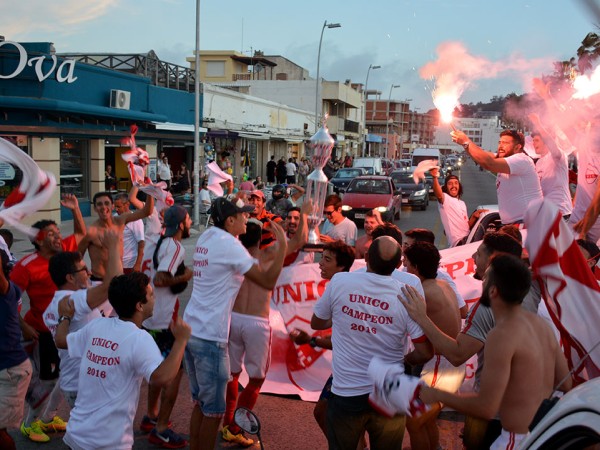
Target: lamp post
x=387 y=122
x=196 y=211
x=325 y=25
x=364 y=147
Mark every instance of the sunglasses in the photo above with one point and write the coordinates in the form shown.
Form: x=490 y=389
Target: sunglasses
x=328 y=213
x=80 y=270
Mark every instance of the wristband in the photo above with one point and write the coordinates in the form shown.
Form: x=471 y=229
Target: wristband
x=466 y=145
x=63 y=318
x=313 y=342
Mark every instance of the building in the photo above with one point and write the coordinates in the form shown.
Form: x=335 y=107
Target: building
x=483 y=132
x=70 y=112
x=388 y=120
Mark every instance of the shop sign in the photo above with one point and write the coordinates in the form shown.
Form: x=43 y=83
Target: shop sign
x=63 y=73
x=7 y=172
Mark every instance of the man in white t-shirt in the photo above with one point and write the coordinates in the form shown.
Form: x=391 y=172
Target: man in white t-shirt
x=220 y=264
x=517 y=183
x=205 y=199
x=133 y=237
x=169 y=278
x=337 y=226
x=453 y=211
x=70 y=273
x=116 y=354
x=290 y=171
x=366 y=320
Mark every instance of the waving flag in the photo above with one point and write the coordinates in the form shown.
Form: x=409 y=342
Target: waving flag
x=422 y=167
x=215 y=177
x=569 y=288
x=32 y=194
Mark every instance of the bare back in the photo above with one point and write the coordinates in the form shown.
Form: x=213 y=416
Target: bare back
x=442 y=306
x=252 y=299
x=522 y=353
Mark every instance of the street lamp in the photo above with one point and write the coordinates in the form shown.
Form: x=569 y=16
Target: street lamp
x=364 y=147
x=387 y=122
x=325 y=25
x=196 y=211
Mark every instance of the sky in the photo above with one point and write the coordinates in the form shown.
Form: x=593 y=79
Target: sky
x=401 y=36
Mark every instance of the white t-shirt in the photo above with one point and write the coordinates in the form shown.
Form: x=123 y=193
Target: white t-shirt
x=164 y=171
x=69 y=367
x=345 y=230
x=115 y=356
x=170 y=255
x=361 y=330
x=220 y=262
x=588 y=164
x=516 y=190
x=553 y=173
x=402 y=277
x=133 y=233
x=204 y=197
x=290 y=169
x=455 y=219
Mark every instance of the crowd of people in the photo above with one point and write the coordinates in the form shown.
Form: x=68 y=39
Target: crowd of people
x=105 y=328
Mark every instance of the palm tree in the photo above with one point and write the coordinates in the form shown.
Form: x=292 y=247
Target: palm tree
x=588 y=52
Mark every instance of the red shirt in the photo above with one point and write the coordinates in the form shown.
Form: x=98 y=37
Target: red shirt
x=31 y=275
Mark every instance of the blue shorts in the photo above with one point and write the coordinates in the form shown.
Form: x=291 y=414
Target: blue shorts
x=207 y=365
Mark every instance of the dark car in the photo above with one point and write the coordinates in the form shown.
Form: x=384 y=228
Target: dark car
x=369 y=192
x=414 y=195
x=343 y=177
x=429 y=181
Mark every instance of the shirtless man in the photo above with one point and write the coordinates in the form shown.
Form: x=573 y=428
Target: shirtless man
x=296 y=231
x=103 y=204
x=249 y=338
x=523 y=361
x=372 y=221
x=422 y=259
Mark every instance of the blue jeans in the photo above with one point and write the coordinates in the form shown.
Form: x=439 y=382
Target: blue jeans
x=207 y=365
x=349 y=417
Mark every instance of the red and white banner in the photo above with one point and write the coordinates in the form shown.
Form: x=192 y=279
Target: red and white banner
x=303 y=370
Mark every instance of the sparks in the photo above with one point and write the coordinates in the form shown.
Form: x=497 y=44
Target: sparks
x=585 y=86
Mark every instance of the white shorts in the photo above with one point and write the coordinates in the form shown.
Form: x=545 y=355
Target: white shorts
x=439 y=373
x=250 y=341
x=508 y=441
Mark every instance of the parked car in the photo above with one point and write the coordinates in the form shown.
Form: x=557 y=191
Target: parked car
x=414 y=195
x=367 y=192
x=572 y=424
x=487 y=221
x=429 y=181
x=343 y=177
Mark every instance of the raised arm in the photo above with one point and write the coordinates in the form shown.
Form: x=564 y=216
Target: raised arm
x=267 y=278
x=139 y=213
x=98 y=294
x=487 y=160
x=70 y=202
x=437 y=189
x=133 y=200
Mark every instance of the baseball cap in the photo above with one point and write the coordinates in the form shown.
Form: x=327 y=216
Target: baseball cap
x=257 y=193
x=223 y=208
x=173 y=217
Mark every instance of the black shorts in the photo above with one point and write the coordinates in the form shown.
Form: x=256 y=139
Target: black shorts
x=164 y=340
x=49 y=360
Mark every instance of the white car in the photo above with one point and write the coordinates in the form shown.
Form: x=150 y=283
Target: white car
x=487 y=221
x=572 y=424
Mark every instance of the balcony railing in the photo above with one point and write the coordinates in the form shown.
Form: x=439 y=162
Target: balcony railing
x=351 y=126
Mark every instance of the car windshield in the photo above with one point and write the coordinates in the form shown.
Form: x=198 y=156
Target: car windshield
x=369 y=187
x=402 y=178
x=348 y=173
x=370 y=170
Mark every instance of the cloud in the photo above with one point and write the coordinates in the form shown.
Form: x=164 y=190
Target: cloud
x=24 y=20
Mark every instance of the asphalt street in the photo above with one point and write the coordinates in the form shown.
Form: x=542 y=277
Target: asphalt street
x=287 y=422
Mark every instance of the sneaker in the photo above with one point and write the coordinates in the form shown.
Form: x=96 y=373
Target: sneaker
x=34 y=432
x=56 y=426
x=239 y=438
x=166 y=439
x=149 y=424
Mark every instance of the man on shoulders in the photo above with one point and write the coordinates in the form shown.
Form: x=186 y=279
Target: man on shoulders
x=517 y=183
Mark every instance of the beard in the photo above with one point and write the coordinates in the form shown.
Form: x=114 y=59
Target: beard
x=485 y=297
x=185 y=233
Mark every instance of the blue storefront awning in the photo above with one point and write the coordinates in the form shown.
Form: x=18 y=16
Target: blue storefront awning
x=374 y=138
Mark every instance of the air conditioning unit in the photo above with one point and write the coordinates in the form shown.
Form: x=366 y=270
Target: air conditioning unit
x=120 y=99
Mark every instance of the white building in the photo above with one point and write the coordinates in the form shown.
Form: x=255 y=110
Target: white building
x=483 y=132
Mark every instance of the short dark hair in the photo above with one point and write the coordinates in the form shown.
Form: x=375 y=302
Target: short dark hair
x=421 y=235
x=425 y=257
x=496 y=241
x=333 y=200
x=445 y=186
x=379 y=265
x=61 y=265
x=344 y=254
x=591 y=248
x=7 y=236
x=387 y=229
x=513 y=231
x=517 y=137
x=126 y=291
x=252 y=236
x=294 y=208
x=511 y=276
x=40 y=225
x=102 y=194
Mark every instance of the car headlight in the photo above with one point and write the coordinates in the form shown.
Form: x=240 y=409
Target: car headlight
x=346 y=208
x=421 y=192
x=381 y=209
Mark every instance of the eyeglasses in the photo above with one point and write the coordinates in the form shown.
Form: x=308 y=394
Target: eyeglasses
x=81 y=270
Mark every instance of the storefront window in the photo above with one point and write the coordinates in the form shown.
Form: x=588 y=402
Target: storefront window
x=10 y=176
x=74 y=167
